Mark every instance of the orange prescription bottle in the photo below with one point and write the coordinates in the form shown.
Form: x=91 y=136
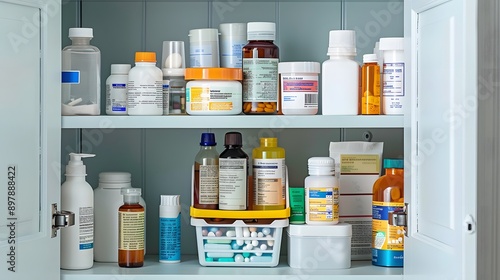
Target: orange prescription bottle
x=388 y=196
x=370 y=86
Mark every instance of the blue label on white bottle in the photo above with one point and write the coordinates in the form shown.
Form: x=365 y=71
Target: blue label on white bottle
x=70 y=77
x=119 y=86
x=170 y=239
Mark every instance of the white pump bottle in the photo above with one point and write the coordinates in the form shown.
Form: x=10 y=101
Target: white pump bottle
x=77 y=196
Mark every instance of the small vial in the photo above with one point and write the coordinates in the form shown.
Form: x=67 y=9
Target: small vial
x=260 y=69
x=370 y=85
x=321 y=192
x=131 y=226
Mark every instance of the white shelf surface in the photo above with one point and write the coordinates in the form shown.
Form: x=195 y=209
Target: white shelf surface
x=238 y=121
x=190 y=269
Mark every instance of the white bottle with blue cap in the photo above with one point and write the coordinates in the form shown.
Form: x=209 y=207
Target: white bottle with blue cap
x=77 y=196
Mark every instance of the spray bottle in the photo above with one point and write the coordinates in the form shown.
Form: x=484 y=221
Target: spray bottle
x=77 y=196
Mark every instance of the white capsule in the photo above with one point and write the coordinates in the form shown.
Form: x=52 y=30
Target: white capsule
x=263 y=247
x=266 y=231
x=260 y=234
x=255 y=243
x=253 y=234
x=270 y=242
x=240 y=242
x=246 y=232
x=248 y=242
x=257 y=252
x=247 y=259
x=211 y=234
x=230 y=233
x=249 y=246
x=239 y=258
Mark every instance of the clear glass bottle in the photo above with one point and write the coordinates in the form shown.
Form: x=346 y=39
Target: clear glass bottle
x=388 y=197
x=260 y=69
x=233 y=174
x=269 y=175
x=370 y=86
x=131 y=229
x=206 y=174
x=81 y=75
x=321 y=192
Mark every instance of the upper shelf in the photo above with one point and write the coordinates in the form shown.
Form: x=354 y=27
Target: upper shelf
x=239 y=121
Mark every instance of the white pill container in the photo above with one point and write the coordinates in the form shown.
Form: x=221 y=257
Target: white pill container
x=213 y=91
x=319 y=247
x=298 y=94
x=204 y=47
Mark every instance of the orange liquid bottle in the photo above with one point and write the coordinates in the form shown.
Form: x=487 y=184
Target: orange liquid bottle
x=131 y=236
x=370 y=86
x=388 y=196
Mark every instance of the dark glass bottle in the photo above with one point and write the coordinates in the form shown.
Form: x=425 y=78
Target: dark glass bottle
x=131 y=227
x=260 y=69
x=233 y=174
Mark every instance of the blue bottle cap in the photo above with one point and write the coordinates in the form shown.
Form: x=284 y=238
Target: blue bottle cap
x=207 y=139
x=393 y=163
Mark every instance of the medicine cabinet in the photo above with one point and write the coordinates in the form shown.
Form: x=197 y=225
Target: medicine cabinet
x=159 y=151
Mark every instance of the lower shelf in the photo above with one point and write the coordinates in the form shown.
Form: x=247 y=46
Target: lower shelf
x=190 y=269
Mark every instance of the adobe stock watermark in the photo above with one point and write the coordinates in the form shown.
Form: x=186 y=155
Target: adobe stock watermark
x=221 y=7
x=378 y=21
x=31 y=26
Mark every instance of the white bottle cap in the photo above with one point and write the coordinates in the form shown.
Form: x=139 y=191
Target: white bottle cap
x=120 y=69
x=131 y=195
x=75 y=165
x=80 y=33
x=371 y=57
x=115 y=177
x=391 y=44
x=321 y=166
x=170 y=206
x=342 y=42
x=299 y=67
x=265 y=31
x=233 y=29
x=203 y=35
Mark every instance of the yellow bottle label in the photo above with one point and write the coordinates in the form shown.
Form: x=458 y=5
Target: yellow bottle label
x=323 y=204
x=384 y=235
x=359 y=164
x=269 y=181
x=131 y=230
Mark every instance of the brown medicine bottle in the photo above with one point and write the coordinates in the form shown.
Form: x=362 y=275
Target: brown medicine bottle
x=131 y=223
x=260 y=69
x=370 y=86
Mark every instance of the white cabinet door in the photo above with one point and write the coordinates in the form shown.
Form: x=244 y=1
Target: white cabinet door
x=441 y=136
x=29 y=138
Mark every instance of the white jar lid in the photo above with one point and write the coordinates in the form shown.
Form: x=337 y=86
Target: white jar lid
x=115 y=177
x=338 y=230
x=120 y=69
x=233 y=29
x=391 y=44
x=370 y=57
x=80 y=33
x=265 y=31
x=299 y=67
x=203 y=35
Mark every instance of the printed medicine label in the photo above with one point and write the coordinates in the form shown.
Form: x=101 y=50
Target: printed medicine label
x=269 y=181
x=260 y=79
x=299 y=92
x=393 y=78
x=209 y=184
x=131 y=230
x=232 y=182
x=359 y=164
x=323 y=204
x=86 y=221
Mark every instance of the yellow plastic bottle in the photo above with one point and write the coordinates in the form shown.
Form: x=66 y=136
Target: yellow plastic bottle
x=269 y=176
x=388 y=196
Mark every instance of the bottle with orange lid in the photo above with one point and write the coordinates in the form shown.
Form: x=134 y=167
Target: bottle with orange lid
x=213 y=91
x=269 y=176
x=388 y=198
x=145 y=86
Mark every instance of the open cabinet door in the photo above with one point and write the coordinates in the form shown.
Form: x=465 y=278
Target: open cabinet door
x=441 y=133
x=30 y=138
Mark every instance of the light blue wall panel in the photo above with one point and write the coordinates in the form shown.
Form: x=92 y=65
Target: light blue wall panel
x=118 y=33
x=238 y=11
x=171 y=21
x=372 y=20
x=70 y=18
x=304 y=27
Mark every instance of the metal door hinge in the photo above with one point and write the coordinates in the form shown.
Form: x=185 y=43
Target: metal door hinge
x=61 y=219
x=399 y=217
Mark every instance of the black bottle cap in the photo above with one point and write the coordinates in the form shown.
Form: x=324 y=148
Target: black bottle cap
x=233 y=139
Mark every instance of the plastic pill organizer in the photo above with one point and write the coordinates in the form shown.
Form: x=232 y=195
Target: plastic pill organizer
x=238 y=243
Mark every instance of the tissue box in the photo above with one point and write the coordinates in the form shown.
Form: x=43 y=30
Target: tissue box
x=239 y=243
x=319 y=247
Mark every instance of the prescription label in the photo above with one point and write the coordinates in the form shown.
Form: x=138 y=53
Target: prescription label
x=86 y=221
x=387 y=240
x=299 y=92
x=269 y=181
x=393 y=78
x=260 y=79
x=209 y=184
x=211 y=99
x=353 y=164
x=323 y=204
x=131 y=230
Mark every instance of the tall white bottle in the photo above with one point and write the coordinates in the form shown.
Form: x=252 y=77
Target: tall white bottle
x=77 y=196
x=340 y=75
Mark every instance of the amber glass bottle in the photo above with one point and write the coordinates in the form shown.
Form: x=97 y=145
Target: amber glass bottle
x=131 y=222
x=370 y=86
x=388 y=198
x=260 y=69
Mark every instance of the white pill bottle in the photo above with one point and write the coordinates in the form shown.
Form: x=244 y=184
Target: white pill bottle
x=321 y=192
x=393 y=75
x=116 y=90
x=145 y=86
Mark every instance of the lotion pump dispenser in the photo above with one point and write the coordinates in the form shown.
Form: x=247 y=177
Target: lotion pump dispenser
x=77 y=196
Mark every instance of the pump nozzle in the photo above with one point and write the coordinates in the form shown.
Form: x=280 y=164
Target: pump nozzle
x=75 y=165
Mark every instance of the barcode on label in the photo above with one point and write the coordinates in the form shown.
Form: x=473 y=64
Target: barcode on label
x=310 y=99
